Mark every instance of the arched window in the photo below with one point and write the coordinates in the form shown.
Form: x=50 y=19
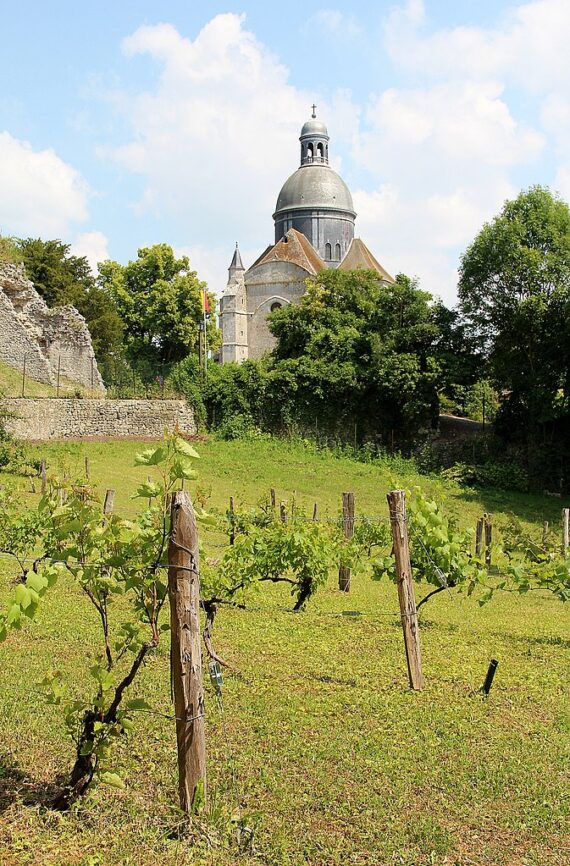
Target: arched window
x=319 y=150
x=328 y=252
x=309 y=151
x=337 y=252
x=275 y=306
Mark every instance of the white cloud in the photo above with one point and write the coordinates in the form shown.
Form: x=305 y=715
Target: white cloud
x=215 y=136
x=446 y=152
x=94 y=246
x=41 y=194
x=217 y=133
x=529 y=46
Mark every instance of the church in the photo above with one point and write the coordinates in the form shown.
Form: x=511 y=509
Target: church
x=314 y=229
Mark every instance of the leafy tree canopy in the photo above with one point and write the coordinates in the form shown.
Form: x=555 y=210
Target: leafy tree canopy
x=159 y=299
x=357 y=349
x=514 y=292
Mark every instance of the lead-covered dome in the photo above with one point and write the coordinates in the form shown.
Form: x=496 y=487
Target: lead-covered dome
x=317 y=187
x=315 y=127
x=315 y=200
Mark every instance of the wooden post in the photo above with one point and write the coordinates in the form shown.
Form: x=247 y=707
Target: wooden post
x=479 y=537
x=109 y=502
x=348 y=532
x=283 y=513
x=186 y=652
x=273 y=498
x=397 y=505
x=87 y=473
x=231 y=515
x=315 y=512
x=43 y=475
x=565 y=530
x=545 y=533
x=488 y=538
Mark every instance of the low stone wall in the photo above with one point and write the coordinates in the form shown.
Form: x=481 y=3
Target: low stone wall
x=53 y=418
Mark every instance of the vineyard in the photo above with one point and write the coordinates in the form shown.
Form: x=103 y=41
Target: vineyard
x=317 y=750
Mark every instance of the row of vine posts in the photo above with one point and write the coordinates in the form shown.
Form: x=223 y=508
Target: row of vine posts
x=184 y=594
x=186 y=659
x=184 y=598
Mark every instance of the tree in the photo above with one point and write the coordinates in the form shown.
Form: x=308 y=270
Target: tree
x=514 y=291
x=357 y=351
x=59 y=277
x=160 y=300
x=62 y=278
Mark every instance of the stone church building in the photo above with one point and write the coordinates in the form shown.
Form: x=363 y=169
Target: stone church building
x=314 y=229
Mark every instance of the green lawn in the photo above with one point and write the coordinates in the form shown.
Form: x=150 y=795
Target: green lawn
x=321 y=748
x=11 y=382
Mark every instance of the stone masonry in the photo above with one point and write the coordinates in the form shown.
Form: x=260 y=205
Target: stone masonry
x=45 y=418
x=43 y=338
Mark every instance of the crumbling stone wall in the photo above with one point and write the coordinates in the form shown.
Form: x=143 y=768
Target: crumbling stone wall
x=45 y=338
x=45 y=418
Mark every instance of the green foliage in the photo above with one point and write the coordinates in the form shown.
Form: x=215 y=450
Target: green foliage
x=159 y=299
x=9 y=250
x=357 y=351
x=120 y=566
x=355 y=359
x=299 y=552
x=514 y=291
x=185 y=378
x=502 y=476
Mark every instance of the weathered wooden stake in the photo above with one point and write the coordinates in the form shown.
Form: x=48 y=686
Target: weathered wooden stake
x=544 y=533
x=273 y=498
x=348 y=532
x=87 y=473
x=488 y=538
x=283 y=512
x=43 y=475
x=109 y=502
x=397 y=505
x=232 y=521
x=565 y=530
x=315 y=512
x=186 y=652
x=479 y=537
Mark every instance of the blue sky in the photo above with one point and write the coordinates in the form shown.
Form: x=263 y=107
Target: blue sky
x=129 y=123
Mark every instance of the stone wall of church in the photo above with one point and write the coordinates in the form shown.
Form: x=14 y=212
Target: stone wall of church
x=45 y=418
x=267 y=284
x=234 y=322
x=43 y=338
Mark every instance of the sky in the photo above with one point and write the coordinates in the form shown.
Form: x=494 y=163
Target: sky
x=124 y=124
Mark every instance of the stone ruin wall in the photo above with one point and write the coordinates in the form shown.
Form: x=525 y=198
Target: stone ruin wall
x=45 y=418
x=43 y=337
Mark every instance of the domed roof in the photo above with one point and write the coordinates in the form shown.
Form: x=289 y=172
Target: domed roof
x=315 y=186
x=315 y=127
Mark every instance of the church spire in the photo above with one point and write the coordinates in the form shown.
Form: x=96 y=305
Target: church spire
x=236 y=264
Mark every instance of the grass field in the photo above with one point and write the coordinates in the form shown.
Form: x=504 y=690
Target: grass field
x=321 y=749
x=11 y=383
